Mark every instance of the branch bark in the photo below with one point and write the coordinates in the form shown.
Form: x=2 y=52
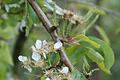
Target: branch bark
x=48 y=26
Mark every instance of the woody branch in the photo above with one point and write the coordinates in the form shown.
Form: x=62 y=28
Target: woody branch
x=48 y=26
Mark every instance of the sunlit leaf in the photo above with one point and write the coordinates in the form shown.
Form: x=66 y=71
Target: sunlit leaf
x=103 y=67
x=86 y=39
x=107 y=52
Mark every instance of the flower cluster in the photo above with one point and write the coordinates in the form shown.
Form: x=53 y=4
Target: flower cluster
x=40 y=50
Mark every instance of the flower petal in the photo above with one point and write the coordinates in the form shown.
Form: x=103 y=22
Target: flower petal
x=34 y=49
x=22 y=58
x=36 y=56
x=57 y=45
x=44 y=42
x=65 y=70
x=38 y=44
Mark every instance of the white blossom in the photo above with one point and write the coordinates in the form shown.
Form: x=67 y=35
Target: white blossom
x=65 y=70
x=28 y=68
x=44 y=42
x=34 y=49
x=47 y=78
x=36 y=56
x=38 y=44
x=22 y=58
x=57 y=45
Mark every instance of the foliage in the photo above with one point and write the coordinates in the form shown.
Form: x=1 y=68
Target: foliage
x=18 y=17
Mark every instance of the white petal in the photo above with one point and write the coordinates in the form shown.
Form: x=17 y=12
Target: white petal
x=22 y=58
x=28 y=68
x=38 y=44
x=36 y=56
x=65 y=70
x=34 y=49
x=44 y=42
x=47 y=79
x=57 y=45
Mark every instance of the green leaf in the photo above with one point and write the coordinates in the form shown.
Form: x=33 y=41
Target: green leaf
x=5 y=55
x=107 y=52
x=98 y=58
x=43 y=78
x=32 y=17
x=54 y=58
x=6 y=33
x=75 y=52
x=103 y=34
x=76 y=75
x=103 y=67
x=40 y=2
x=3 y=70
x=94 y=56
x=91 y=23
x=82 y=37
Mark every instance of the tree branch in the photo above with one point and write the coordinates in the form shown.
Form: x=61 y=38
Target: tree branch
x=47 y=24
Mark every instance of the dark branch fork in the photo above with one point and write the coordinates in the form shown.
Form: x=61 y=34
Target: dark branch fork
x=48 y=26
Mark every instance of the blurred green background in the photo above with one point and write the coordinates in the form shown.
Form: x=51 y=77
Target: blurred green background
x=16 y=39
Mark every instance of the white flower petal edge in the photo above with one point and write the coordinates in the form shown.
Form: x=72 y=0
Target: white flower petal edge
x=44 y=42
x=47 y=79
x=65 y=70
x=22 y=58
x=34 y=49
x=58 y=45
x=36 y=56
x=38 y=44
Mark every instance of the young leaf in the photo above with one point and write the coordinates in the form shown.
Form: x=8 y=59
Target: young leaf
x=82 y=37
x=107 y=51
x=94 y=56
x=75 y=53
x=102 y=67
x=103 y=34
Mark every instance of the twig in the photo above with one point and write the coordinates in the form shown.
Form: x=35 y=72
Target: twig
x=48 y=26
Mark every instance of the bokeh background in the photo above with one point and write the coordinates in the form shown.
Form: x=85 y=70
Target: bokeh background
x=15 y=41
